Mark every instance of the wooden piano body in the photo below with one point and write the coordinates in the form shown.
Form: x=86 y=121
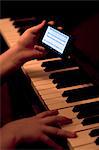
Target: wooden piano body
x=52 y=97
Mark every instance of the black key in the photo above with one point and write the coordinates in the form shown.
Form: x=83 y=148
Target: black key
x=97 y=141
x=94 y=132
x=58 y=75
x=81 y=94
x=25 y=22
x=77 y=73
x=23 y=29
x=24 y=19
x=68 y=78
x=64 y=74
x=69 y=82
x=91 y=120
x=89 y=112
x=77 y=108
x=57 y=64
x=14 y=18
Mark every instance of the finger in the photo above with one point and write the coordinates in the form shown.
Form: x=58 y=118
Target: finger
x=57 y=120
x=38 y=54
x=47 y=113
x=45 y=139
x=60 y=28
x=39 y=48
x=59 y=132
x=51 y=23
x=38 y=27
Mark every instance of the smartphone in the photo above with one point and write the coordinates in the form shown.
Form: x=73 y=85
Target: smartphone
x=55 y=40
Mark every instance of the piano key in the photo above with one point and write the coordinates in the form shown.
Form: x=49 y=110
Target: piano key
x=45 y=86
x=68 y=83
x=49 y=96
x=80 y=94
x=39 y=82
x=23 y=23
x=53 y=96
x=8 y=31
x=64 y=104
x=57 y=64
x=53 y=101
x=54 y=62
x=77 y=108
x=38 y=74
x=67 y=112
x=23 y=19
x=88 y=112
x=23 y=29
x=72 y=80
x=38 y=62
x=63 y=110
x=83 y=138
x=97 y=141
x=75 y=74
x=42 y=82
x=77 y=126
x=55 y=90
x=30 y=69
x=13 y=18
x=77 y=123
x=91 y=120
x=94 y=132
x=90 y=146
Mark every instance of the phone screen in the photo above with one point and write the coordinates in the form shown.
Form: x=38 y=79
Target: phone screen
x=55 y=39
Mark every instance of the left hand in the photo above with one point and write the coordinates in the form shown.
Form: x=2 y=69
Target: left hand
x=27 y=44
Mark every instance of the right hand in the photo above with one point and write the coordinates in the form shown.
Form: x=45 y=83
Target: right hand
x=40 y=128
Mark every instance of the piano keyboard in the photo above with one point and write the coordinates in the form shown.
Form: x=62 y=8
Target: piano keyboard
x=63 y=86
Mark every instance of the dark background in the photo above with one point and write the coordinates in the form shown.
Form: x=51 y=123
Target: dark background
x=71 y=13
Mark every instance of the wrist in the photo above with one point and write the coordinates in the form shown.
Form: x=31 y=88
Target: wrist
x=9 y=139
x=9 y=61
x=16 y=56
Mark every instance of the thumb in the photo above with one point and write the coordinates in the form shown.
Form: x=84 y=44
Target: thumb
x=38 y=27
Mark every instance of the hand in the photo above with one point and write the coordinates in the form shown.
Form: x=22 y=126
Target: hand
x=25 y=49
x=27 y=45
x=39 y=128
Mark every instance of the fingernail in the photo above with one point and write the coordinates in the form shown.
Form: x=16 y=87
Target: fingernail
x=74 y=134
x=67 y=120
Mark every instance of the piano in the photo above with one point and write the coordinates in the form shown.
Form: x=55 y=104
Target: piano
x=70 y=85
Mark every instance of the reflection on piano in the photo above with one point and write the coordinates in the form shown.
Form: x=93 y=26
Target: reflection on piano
x=63 y=85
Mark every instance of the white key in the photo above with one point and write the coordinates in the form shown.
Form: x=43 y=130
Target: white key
x=91 y=146
x=8 y=31
x=77 y=126
x=83 y=138
x=55 y=90
x=65 y=104
x=39 y=62
x=67 y=112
